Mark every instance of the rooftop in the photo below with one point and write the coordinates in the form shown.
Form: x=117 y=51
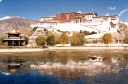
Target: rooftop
x=13 y=31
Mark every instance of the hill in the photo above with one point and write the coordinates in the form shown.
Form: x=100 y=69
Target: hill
x=16 y=22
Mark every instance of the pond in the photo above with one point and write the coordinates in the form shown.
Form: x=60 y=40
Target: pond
x=65 y=67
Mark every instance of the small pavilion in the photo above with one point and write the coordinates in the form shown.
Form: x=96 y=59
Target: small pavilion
x=14 y=38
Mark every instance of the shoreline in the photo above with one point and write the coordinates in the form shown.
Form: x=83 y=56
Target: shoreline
x=89 y=48
x=22 y=50
x=62 y=48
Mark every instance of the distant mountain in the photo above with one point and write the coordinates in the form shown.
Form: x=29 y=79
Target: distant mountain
x=7 y=23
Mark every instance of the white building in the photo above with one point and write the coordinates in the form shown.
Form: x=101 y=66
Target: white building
x=92 y=22
x=89 y=16
x=47 y=19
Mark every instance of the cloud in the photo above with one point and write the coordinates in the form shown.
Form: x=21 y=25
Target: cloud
x=122 y=12
x=1 y=0
x=79 y=11
x=107 y=14
x=112 y=8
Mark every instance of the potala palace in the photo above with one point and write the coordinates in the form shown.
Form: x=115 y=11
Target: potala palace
x=74 y=22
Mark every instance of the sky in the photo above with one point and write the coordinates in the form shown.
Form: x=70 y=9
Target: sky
x=35 y=9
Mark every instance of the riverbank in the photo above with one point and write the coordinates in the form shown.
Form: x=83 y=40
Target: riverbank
x=23 y=50
x=61 y=48
x=86 y=48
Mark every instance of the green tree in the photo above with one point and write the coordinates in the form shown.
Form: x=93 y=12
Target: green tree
x=57 y=40
x=40 y=40
x=126 y=39
x=51 y=40
x=34 y=28
x=82 y=33
x=1 y=40
x=22 y=36
x=26 y=39
x=107 y=38
x=86 y=33
x=93 y=32
x=63 y=38
x=77 y=40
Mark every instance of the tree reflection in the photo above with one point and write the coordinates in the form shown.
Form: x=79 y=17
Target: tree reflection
x=66 y=64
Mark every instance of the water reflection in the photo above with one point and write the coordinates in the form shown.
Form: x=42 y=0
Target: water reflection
x=79 y=66
x=74 y=69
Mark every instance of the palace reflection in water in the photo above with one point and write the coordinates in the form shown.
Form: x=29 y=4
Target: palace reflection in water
x=65 y=67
